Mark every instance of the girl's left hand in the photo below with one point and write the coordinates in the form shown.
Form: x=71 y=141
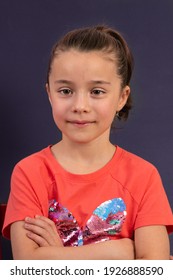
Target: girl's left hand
x=43 y=231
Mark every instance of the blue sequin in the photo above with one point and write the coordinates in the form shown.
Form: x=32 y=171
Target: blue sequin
x=107 y=220
x=111 y=206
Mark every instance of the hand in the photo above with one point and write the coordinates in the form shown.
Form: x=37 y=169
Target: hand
x=43 y=231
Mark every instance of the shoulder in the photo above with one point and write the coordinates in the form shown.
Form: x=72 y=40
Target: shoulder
x=35 y=159
x=135 y=173
x=134 y=163
x=35 y=173
x=41 y=162
x=138 y=178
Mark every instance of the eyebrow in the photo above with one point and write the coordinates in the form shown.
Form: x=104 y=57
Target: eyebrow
x=63 y=82
x=100 y=82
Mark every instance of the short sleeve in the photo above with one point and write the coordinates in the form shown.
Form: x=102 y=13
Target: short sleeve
x=27 y=196
x=154 y=208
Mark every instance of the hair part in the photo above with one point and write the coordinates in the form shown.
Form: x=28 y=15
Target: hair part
x=99 y=38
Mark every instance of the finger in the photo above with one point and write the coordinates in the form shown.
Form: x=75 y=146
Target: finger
x=42 y=222
x=34 y=221
x=47 y=220
x=39 y=231
x=44 y=229
x=41 y=242
x=52 y=225
x=38 y=224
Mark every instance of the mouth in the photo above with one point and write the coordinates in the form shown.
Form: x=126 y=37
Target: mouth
x=82 y=123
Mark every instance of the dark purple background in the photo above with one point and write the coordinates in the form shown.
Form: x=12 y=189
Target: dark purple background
x=29 y=28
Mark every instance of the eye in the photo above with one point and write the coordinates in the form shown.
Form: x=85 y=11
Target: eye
x=65 y=91
x=97 y=92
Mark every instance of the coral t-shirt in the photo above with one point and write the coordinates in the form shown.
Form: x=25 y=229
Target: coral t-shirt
x=111 y=203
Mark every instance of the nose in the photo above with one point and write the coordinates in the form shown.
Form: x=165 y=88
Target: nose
x=81 y=103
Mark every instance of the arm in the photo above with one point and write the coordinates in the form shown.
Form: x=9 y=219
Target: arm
x=152 y=243
x=40 y=241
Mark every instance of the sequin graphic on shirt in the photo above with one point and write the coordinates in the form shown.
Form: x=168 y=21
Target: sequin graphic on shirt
x=106 y=221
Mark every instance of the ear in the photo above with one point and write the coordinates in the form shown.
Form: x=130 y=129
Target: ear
x=48 y=92
x=123 y=97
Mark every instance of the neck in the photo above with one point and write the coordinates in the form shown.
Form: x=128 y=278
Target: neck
x=83 y=157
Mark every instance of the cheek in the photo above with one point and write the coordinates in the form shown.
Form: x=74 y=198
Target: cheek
x=58 y=113
x=108 y=110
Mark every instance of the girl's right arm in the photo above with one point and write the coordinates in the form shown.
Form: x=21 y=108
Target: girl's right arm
x=25 y=248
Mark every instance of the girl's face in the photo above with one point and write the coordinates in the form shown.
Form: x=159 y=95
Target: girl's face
x=85 y=93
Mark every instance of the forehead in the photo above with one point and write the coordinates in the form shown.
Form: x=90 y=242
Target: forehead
x=75 y=58
x=83 y=67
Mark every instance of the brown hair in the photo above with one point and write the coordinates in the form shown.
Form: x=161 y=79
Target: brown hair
x=100 y=38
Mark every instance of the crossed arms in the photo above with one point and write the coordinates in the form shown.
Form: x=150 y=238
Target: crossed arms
x=37 y=238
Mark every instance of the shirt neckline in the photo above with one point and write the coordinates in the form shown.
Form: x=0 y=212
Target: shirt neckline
x=84 y=177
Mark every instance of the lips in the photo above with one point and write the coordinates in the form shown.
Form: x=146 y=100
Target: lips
x=80 y=122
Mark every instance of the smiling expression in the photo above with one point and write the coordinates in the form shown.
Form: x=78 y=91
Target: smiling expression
x=85 y=93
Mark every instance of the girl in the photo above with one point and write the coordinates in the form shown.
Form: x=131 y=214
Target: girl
x=84 y=197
